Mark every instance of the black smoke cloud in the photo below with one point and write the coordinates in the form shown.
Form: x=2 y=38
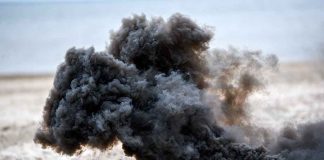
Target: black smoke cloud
x=159 y=91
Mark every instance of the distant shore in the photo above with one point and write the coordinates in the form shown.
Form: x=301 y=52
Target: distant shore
x=8 y=76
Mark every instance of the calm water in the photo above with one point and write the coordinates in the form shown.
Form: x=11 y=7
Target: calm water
x=35 y=35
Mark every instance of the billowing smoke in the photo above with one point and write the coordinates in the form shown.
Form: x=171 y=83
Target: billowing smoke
x=302 y=142
x=234 y=76
x=159 y=91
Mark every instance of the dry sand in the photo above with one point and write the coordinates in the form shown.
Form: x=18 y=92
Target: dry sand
x=294 y=95
x=21 y=102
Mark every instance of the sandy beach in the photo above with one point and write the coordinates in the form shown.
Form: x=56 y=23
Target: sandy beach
x=294 y=94
x=21 y=101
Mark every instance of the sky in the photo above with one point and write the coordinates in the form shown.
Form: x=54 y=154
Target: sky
x=34 y=34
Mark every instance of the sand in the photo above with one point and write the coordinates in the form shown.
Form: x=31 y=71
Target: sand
x=21 y=101
x=293 y=95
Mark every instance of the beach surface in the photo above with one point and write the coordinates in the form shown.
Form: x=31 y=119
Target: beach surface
x=22 y=98
x=295 y=94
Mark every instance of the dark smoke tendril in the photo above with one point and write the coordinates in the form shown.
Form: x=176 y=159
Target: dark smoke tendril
x=145 y=91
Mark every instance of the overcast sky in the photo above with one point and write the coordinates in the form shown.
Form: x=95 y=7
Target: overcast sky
x=41 y=31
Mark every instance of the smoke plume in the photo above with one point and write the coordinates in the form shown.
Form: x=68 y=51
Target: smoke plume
x=302 y=142
x=162 y=93
x=234 y=76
